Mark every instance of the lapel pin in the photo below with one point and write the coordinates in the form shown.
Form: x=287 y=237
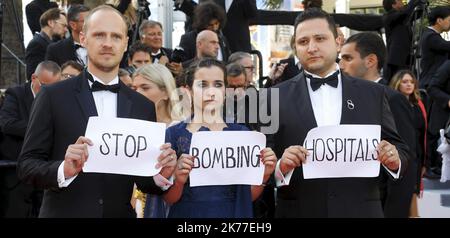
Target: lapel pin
x=350 y=104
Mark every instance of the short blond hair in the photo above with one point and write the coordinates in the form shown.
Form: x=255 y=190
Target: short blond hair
x=100 y=8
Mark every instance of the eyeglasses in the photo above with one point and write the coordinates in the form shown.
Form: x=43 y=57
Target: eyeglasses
x=62 y=23
x=251 y=68
x=67 y=76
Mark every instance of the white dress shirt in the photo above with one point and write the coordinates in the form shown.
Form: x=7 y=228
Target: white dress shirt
x=327 y=107
x=106 y=105
x=81 y=53
x=228 y=5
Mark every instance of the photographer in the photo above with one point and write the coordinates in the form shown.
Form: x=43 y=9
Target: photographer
x=398 y=35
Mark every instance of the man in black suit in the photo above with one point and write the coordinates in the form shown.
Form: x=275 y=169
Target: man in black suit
x=363 y=56
x=306 y=102
x=435 y=49
x=398 y=35
x=34 y=10
x=22 y=200
x=53 y=24
x=54 y=149
x=207 y=45
x=439 y=92
x=151 y=34
x=70 y=48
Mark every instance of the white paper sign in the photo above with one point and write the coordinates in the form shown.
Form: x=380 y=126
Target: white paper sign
x=124 y=146
x=227 y=157
x=342 y=151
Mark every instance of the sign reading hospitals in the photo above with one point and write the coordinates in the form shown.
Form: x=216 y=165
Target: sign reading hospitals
x=124 y=146
x=342 y=151
x=227 y=157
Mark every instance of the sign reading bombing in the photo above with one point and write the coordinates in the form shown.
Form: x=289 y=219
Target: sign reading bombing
x=342 y=151
x=227 y=157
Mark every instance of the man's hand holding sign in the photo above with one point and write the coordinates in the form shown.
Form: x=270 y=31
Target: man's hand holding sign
x=76 y=155
x=341 y=151
x=121 y=146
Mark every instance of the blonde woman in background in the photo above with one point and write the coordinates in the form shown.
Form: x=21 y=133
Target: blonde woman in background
x=156 y=83
x=406 y=83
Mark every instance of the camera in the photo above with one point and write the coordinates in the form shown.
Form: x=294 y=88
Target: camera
x=178 y=55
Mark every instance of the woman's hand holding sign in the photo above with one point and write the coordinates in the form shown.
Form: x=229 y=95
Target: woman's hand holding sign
x=292 y=158
x=388 y=155
x=167 y=160
x=269 y=160
x=184 y=167
x=76 y=155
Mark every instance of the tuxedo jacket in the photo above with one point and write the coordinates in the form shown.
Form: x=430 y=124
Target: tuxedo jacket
x=59 y=116
x=335 y=197
x=34 y=10
x=398 y=35
x=62 y=51
x=14 y=116
x=35 y=53
x=439 y=92
x=435 y=51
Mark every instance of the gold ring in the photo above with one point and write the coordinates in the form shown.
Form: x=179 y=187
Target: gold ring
x=391 y=153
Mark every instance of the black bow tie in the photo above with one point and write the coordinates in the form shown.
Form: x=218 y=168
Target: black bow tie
x=97 y=86
x=331 y=80
x=76 y=46
x=156 y=56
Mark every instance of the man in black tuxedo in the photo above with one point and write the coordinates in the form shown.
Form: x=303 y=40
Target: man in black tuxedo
x=21 y=200
x=306 y=102
x=34 y=10
x=55 y=150
x=435 y=49
x=439 y=92
x=398 y=35
x=207 y=45
x=53 y=24
x=363 y=56
x=151 y=34
x=70 y=48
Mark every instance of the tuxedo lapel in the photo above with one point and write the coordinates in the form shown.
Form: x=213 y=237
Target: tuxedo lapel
x=123 y=101
x=303 y=100
x=28 y=98
x=84 y=96
x=349 y=100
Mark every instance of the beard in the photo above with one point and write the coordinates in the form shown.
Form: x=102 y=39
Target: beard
x=103 y=66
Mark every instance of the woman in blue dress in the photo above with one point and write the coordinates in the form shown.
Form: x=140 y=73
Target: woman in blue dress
x=206 y=80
